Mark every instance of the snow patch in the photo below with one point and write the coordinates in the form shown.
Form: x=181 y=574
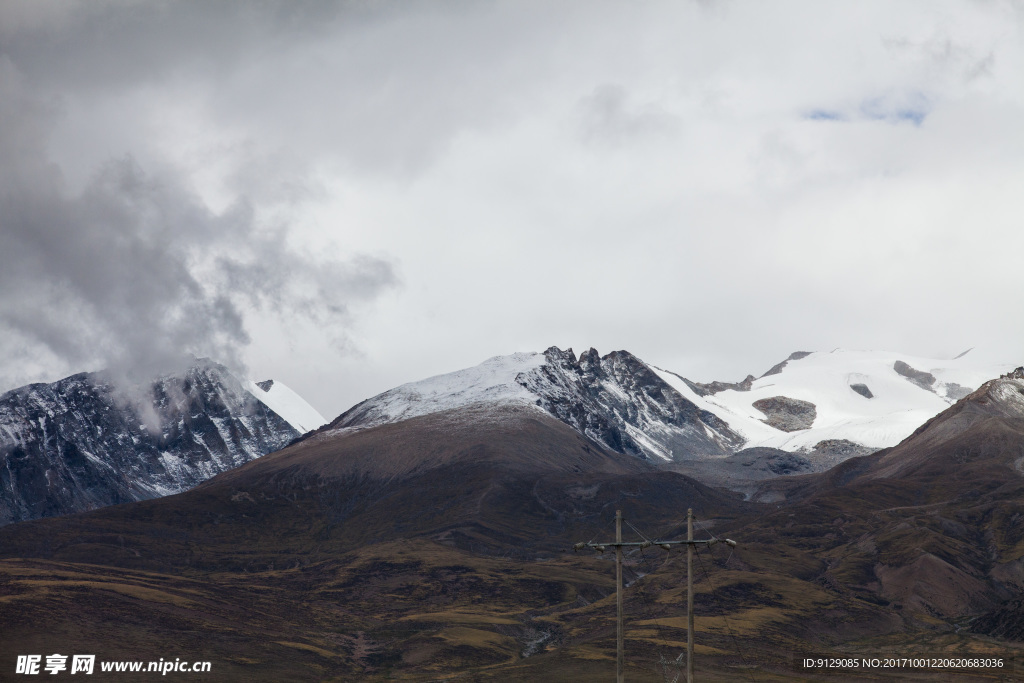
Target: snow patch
x=897 y=407
x=291 y=407
x=493 y=381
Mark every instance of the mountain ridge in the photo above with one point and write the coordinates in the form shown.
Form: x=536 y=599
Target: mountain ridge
x=85 y=442
x=440 y=539
x=823 y=407
x=615 y=399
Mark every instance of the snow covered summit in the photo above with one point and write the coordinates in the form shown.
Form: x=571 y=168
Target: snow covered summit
x=493 y=381
x=869 y=398
x=826 y=405
x=85 y=442
x=616 y=400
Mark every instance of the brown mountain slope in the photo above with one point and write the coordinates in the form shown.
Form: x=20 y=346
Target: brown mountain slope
x=931 y=526
x=512 y=480
x=981 y=431
x=414 y=550
x=434 y=547
x=509 y=436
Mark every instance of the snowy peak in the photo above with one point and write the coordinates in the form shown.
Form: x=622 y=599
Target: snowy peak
x=620 y=402
x=979 y=431
x=84 y=442
x=493 y=381
x=1002 y=397
x=288 y=404
x=828 y=405
x=872 y=399
x=616 y=400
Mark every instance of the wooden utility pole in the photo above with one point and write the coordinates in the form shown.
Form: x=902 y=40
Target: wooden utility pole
x=619 y=544
x=689 y=595
x=619 y=656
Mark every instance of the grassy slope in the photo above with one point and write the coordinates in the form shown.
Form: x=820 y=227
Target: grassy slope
x=303 y=567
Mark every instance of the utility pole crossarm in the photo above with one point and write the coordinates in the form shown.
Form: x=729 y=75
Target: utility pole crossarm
x=649 y=544
x=618 y=544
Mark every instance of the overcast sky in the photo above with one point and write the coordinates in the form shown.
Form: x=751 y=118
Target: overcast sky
x=348 y=196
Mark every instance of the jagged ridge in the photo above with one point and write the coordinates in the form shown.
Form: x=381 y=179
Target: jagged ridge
x=617 y=400
x=80 y=443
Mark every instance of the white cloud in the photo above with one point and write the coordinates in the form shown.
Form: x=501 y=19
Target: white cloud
x=709 y=185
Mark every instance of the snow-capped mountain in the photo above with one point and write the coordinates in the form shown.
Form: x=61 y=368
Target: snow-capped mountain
x=983 y=430
x=825 y=405
x=616 y=400
x=82 y=443
x=869 y=398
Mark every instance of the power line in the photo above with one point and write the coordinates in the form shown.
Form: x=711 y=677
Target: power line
x=618 y=544
x=714 y=594
x=662 y=639
x=725 y=619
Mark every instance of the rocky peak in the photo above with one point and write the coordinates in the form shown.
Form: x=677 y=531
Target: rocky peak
x=1017 y=373
x=618 y=401
x=84 y=442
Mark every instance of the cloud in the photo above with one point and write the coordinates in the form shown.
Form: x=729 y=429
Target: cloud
x=136 y=270
x=607 y=116
x=943 y=55
x=709 y=186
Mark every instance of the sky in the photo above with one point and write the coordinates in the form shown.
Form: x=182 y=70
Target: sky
x=347 y=196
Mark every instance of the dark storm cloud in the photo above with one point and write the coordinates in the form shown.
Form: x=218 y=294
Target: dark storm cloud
x=382 y=85
x=111 y=44
x=136 y=270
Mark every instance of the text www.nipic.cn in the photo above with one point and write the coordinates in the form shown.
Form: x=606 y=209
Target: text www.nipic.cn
x=86 y=664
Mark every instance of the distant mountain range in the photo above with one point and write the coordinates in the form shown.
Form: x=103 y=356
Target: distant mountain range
x=435 y=544
x=822 y=407
x=83 y=443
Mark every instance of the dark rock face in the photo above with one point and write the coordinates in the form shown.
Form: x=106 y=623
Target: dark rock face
x=773 y=460
x=925 y=380
x=863 y=390
x=746 y=470
x=618 y=401
x=787 y=464
x=79 y=444
x=841 y=449
x=787 y=414
x=712 y=388
x=796 y=355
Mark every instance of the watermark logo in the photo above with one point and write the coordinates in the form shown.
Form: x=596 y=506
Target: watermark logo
x=28 y=664
x=82 y=664
x=32 y=665
x=55 y=663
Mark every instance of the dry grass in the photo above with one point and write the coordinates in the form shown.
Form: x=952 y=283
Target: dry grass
x=449 y=573
x=457 y=617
